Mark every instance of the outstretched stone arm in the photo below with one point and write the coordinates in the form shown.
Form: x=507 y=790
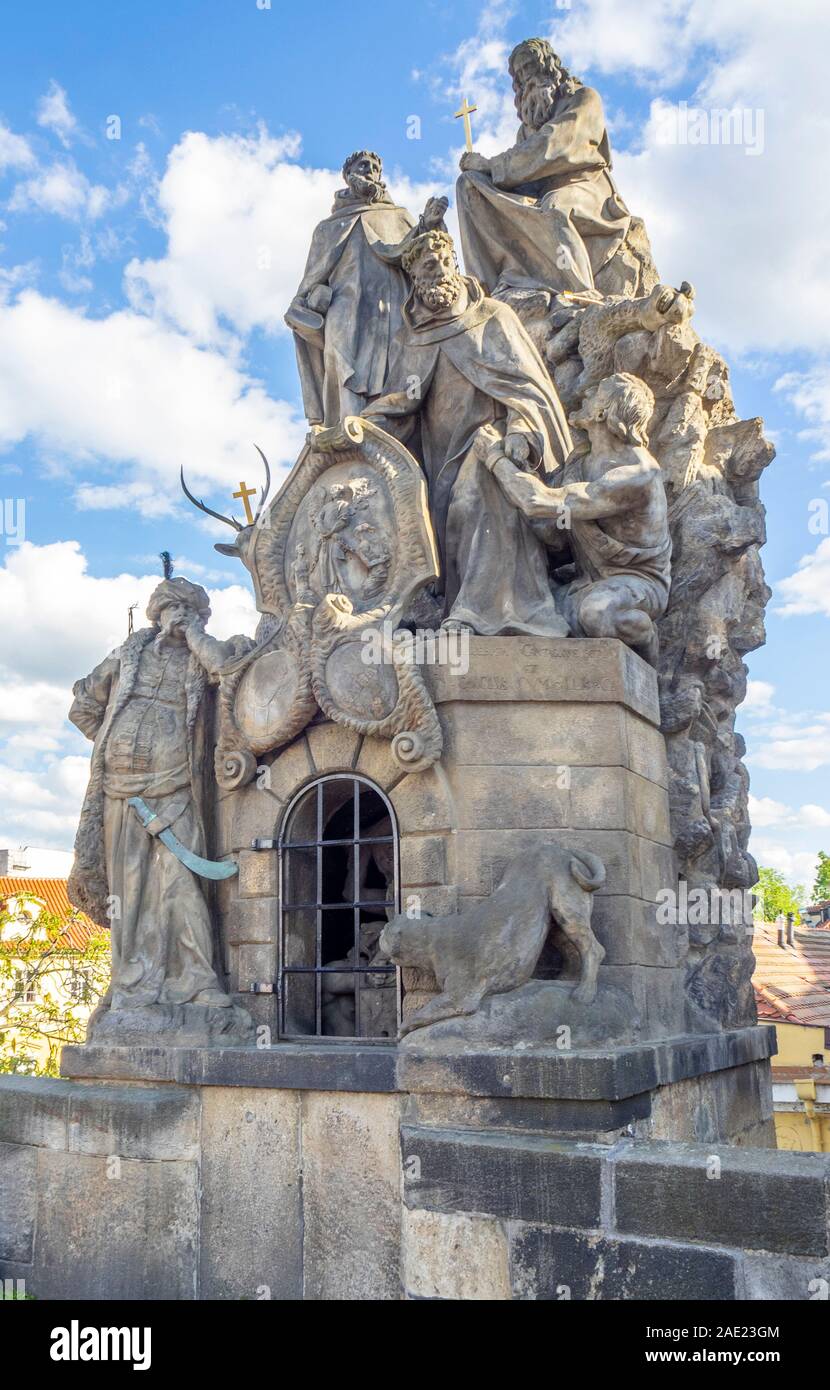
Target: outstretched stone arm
x=91 y=696
x=213 y=654
x=620 y=490
x=562 y=146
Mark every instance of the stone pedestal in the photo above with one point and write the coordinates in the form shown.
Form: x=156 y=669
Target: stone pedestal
x=542 y=737
x=335 y=1169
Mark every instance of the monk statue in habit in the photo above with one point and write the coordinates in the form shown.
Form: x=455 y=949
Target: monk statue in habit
x=347 y=309
x=467 y=374
x=545 y=213
x=145 y=708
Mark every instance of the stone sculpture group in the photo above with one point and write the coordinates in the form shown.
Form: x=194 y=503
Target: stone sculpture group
x=541 y=446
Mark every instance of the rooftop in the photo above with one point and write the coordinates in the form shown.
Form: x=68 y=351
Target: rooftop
x=792 y=983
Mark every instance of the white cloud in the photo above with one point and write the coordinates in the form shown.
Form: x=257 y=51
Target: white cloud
x=53 y=113
x=15 y=151
x=239 y=212
x=797 y=866
x=758 y=700
x=125 y=389
x=792 y=746
x=238 y=215
x=764 y=812
x=808 y=590
x=62 y=189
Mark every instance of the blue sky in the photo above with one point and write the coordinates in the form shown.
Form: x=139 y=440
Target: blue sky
x=143 y=281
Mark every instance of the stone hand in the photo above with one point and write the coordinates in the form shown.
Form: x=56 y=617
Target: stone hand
x=472 y=162
x=433 y=214
x=517 y=448
x=319 y=299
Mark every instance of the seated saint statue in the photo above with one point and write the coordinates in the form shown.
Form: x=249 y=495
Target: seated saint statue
x=347 y=309
x=615 y=503
x=466 y=372
x=546 y=212
x=145 y=708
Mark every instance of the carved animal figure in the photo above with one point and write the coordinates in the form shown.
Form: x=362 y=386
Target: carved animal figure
x=493 y=946
x=602 y=325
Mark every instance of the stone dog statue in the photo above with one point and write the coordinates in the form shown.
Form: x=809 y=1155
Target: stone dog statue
x=493 y=947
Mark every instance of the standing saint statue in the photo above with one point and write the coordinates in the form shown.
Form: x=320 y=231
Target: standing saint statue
x=144 y=707
x=545 y=213
x=468 y=374
x=347 y=309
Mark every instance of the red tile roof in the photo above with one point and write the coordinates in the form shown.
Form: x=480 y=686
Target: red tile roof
x=52 y=893
x=792 y=983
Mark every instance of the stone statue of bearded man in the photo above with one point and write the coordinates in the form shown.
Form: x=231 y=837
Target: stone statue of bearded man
x=145 y=708
x=546 y=213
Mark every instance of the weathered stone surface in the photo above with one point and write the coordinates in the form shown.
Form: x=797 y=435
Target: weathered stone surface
x=291 y=1066
x=247 y=814
x=259 y=873
x=534 y=1179
x=423 y=860
x=18 y=1186
x=633 y=867
x=454 y=1257
x=581 y=734
x=257 y=965
x=785 y=1277
x=291 y=767
x=333 y=747
x=377 y=762
x=143 y=1122
x=646 y=749
x=253 y=921
x=351 y=1196
x=33 y=1110
x=628 y=930
x=657 y=993
x=547 y=1264
x=424 y=801
x=550 y=669
x=96 y=1245
x=725 y=1196
x=543 y=797
x=251 y=1219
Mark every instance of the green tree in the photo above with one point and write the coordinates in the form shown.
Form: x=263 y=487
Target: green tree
x=47 y=988
x=775 y=896
x=821 y=887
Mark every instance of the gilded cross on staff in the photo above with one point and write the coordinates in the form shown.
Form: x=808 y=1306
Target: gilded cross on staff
x=244 y=493
x=466 y=110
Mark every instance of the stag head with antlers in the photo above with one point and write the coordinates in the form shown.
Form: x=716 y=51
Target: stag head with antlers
x=241 y=545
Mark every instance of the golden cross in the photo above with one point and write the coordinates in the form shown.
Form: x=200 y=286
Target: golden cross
x=245 y=492
x=466 y=111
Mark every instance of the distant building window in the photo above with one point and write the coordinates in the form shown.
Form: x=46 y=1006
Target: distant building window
x=26 y=988
x=338 y=888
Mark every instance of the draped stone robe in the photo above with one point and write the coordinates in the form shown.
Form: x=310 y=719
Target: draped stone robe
x=457 y=372
x=345 y=362
x=548 y=213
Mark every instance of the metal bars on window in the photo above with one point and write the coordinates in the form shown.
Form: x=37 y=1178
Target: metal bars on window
x=330 y=843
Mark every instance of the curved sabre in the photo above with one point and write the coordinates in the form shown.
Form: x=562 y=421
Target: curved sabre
x=205 y=868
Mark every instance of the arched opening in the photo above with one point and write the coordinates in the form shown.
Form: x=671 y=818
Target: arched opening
x=339 y=885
